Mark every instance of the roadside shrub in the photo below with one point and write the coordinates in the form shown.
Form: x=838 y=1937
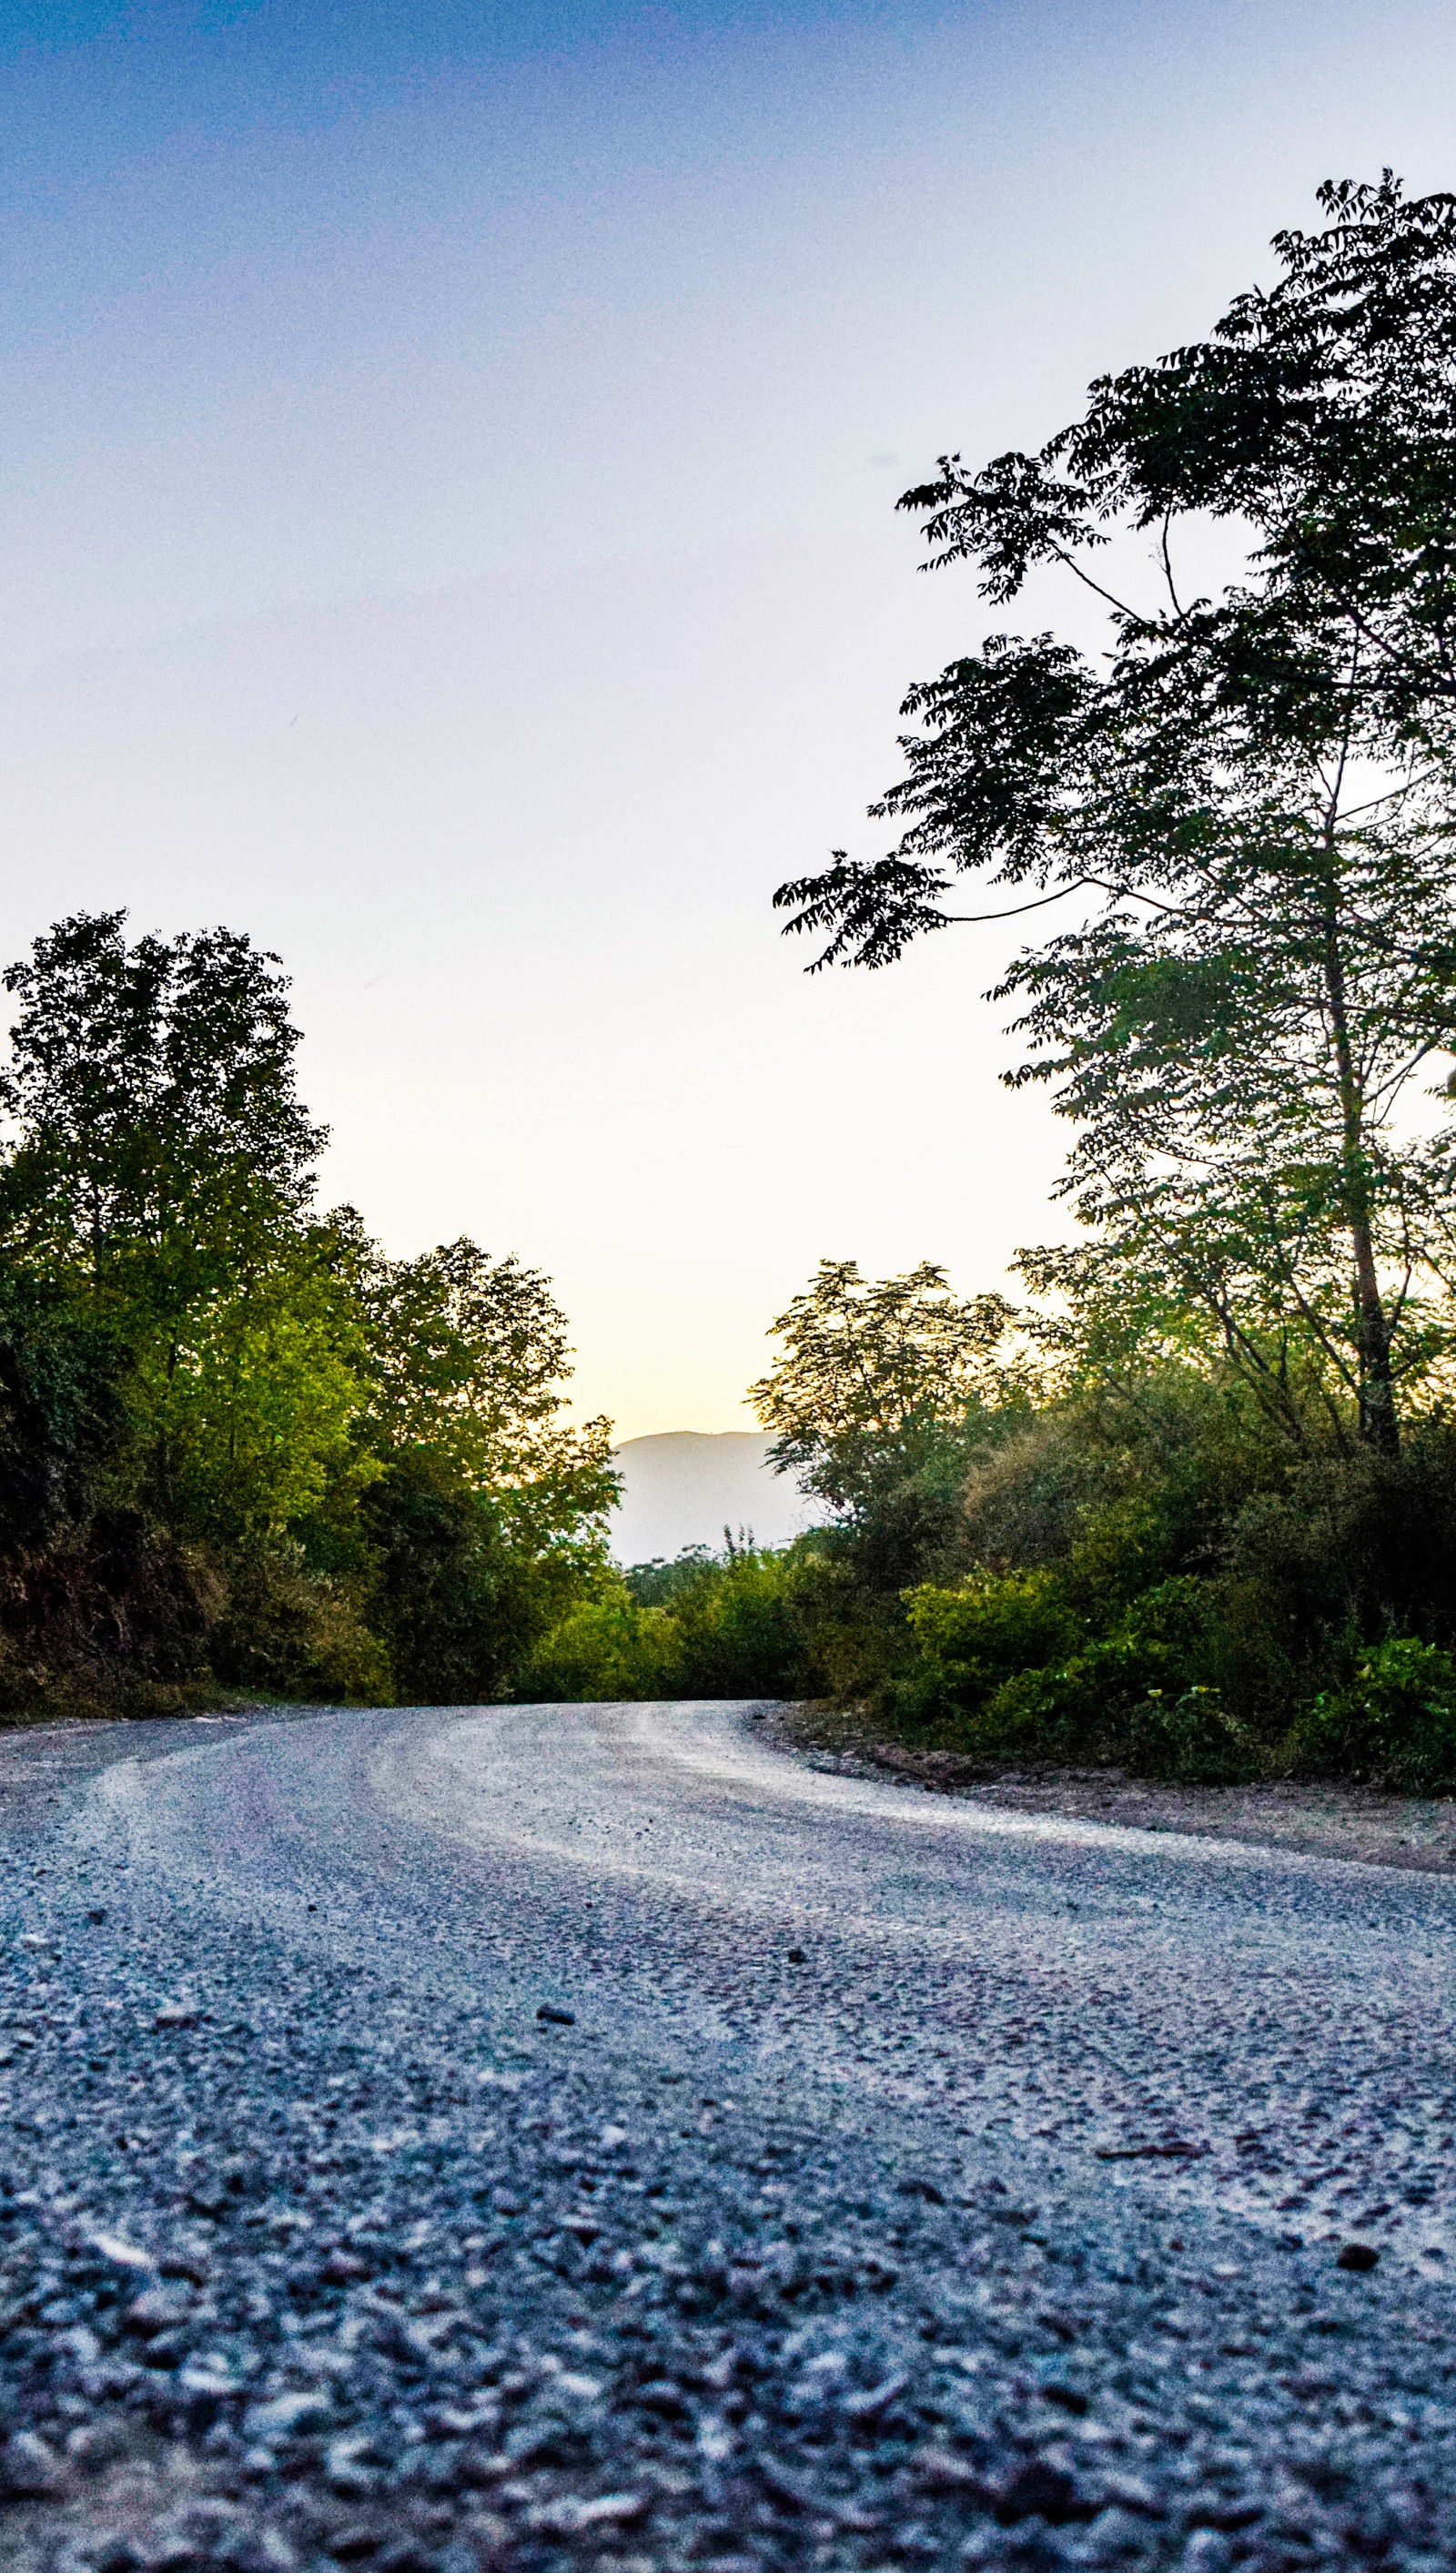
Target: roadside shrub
x=1159 y=1577
x=1145 y=1693
x=740 y=1629
x=972 y=1639
x=1190 y=1738
x=658 y=1583
x=735 y=1625
x=461 y=1585
x=102 y=1619
x=1393 y=1724
x=297 y=1633
x=609 y=1647
x=1120 y=1483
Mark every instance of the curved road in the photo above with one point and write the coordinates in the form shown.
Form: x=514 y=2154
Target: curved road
x=543 y=2136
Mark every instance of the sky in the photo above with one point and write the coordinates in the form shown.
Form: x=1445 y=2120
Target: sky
x=449 y=533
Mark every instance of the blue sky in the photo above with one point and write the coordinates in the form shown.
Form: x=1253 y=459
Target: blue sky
x=447 y=512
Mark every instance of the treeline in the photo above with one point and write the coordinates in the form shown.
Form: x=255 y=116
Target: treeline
x=239 y=1448
x=1197 y=1507
x=242 y=1449
x=1194 y=1504
x=1049 y=1536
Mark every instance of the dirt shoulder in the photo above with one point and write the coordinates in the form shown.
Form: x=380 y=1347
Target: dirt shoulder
x=1331 y=1821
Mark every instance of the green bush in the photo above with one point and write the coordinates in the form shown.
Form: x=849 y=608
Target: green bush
x=294 y=1632
x=972 y=1639
x=1141 y=1694
x=1191 y=1738
x=609 y=1647
x=658 y=1583
x=1393 y=1724
x=738 y=1625
x=110 y=1620
x=988 y=1628
x=740 y=1629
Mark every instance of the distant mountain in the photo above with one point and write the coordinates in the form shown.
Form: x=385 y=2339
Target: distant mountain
x=685 y=1486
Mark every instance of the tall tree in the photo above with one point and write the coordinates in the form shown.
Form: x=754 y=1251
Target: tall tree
x=156 y=1127
x=488 y=1513
x=469 y=1355
x=160 y=1171
x=876 y=1377
x=1248 y=799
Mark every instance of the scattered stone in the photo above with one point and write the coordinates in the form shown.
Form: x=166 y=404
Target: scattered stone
x=284 y=2415
x=124 y=2255
x=572 y=2519
x=342 y=2267
x=1115 y=2536
x=1041 y=2490
x=352 y=2545
x=1133 y=2493
x=159 y=2310
x=876 y=2399
x=351 y=2464
x=941 y=2470
x=211 y=2374
x=1218 y=2511
x=1357 y=2256
x=29 y=2466
x=1177 y=2149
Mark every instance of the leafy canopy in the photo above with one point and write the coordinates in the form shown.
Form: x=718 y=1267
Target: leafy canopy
x=362 y=1459
x=1248 y=802
x=160 y=1174
x=874 y=1377
x=158 y=1135
x=468 y=1359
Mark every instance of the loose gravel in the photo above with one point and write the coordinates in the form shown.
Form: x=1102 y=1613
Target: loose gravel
x=549 y=2139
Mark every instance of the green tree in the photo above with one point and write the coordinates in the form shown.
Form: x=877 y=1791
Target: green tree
x=62 y=1412
x=470 y=1355
x=487 y=1520
x=1249 y=800
x=256 y=1402
x=160 y=1174
x=235 y=1435
x=879 y=1389
x=157 y=1132
x=873 y=1374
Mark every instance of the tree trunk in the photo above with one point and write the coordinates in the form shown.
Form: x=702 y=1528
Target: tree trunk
x=1379 y=1425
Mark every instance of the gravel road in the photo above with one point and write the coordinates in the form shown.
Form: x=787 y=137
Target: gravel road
x=543 y=2138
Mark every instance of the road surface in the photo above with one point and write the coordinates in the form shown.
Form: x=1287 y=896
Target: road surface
x=446 y=2141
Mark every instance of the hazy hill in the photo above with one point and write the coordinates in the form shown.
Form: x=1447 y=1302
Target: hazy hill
x=684 y=1487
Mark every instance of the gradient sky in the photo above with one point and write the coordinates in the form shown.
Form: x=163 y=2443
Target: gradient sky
x=449 y=532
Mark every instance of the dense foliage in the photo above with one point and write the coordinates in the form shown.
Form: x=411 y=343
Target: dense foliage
x=1127 y=1559
x=240 y=1445
x=1246 y=802
x=1194 y=1507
